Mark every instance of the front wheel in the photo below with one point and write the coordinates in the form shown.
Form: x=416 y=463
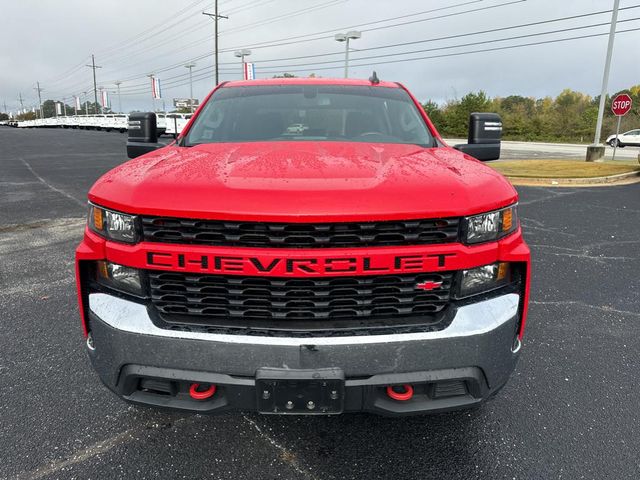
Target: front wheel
x=614 y=142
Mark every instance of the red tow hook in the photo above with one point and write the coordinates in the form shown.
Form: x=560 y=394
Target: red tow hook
x=400 y=396
x=201 y=395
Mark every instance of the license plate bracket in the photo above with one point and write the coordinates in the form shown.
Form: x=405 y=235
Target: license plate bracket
x=300 y=392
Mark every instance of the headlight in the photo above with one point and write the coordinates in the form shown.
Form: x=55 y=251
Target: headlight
x=121 y=278
x=113 y=225
x=483 y=279
x=491 y=226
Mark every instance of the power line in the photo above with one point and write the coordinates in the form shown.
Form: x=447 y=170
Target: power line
x=464 y=53
x=132 y=54
x=438 y=39
x=252 y=4
x=517 y=37
x=131 y=89
x=267 y=45
x=259 y=45
x=140 y=37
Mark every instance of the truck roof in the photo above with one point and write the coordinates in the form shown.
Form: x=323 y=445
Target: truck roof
x=309 y=81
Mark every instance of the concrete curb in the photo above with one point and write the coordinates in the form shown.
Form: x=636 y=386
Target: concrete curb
x=621 y=178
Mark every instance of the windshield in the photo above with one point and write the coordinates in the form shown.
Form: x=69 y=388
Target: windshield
x=311 y=113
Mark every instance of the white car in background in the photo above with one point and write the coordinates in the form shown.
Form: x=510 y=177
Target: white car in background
x=176 y=122
x=297 y=128
x=161 y=123
x=632 y=137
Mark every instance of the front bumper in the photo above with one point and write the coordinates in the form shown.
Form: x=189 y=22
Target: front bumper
x=457 y=367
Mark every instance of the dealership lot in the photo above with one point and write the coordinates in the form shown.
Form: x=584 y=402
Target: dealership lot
x=571 y=409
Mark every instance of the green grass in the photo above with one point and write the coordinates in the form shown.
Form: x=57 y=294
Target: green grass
x=562 y=168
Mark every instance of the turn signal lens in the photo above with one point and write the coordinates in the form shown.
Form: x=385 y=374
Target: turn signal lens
x=97 y=218
x=507 y=220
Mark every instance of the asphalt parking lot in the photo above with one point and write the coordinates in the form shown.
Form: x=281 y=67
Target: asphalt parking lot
x=571 y=410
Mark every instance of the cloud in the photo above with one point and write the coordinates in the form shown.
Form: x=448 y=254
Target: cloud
x=52 y=41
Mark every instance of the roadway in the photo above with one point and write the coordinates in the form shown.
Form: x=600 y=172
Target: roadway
x=569 y=411
x=542 y=150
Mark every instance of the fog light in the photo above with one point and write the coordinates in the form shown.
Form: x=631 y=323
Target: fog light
x=116 y=276
x=484 y=279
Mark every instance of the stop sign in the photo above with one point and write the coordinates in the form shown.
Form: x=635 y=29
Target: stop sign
x=621 y=105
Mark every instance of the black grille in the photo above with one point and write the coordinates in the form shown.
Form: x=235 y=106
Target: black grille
x=299 y=235
x=238 y=301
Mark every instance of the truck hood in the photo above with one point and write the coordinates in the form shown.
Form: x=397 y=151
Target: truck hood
x=303 y=181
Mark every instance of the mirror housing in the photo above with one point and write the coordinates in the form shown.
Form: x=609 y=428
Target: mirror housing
x=485 y=133
x=143 y=134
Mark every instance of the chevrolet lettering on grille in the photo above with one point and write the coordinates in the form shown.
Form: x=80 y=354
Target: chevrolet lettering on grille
x=232 y=264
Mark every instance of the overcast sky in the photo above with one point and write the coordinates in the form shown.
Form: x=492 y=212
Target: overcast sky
x=51 y=41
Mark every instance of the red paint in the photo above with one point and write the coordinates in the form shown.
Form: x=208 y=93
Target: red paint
x=305 y=182
x=621 y=105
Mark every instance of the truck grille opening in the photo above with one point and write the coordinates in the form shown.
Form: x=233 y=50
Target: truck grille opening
x=300 y=235
x=331 y=303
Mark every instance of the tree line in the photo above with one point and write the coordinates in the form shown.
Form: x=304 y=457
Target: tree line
x=569 y=117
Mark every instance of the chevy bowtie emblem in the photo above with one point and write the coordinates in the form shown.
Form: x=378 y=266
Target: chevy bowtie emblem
x=428 y=285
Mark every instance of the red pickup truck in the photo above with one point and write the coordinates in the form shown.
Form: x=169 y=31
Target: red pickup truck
x=355 y=264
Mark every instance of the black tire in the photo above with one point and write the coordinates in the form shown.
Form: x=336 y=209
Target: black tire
x=613 y=142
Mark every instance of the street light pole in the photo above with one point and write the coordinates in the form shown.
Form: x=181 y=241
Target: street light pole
x=241 y=54
x=596 y=151
x=345 y=37
x=190 y=66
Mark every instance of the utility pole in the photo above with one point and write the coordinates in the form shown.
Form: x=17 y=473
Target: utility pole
x=190 y=66
x=21 y=103
x=118 y=82
x=215 y=16
x=95 y=85
x=64 y=105
x=4 y=103
x=38 y=89
x=596 y=151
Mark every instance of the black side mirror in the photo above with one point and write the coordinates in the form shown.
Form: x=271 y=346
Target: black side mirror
x=485 y=132
x=143 y=134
